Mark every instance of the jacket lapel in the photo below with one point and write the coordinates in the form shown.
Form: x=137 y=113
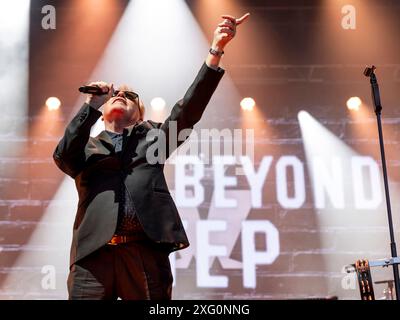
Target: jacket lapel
x=133 y=134
x=139 y=130
x=105 y=141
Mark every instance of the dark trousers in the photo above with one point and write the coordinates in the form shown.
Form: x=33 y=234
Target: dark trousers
x=132 y=271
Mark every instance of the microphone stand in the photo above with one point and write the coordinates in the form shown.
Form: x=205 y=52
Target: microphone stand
x=369 y=72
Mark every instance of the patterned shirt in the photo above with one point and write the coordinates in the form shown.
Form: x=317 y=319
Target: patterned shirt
x=128 y=222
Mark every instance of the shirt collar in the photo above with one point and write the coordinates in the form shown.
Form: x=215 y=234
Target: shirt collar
x=113 y=134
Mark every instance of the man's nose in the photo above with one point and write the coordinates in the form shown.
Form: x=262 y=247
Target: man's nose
x=121 y=94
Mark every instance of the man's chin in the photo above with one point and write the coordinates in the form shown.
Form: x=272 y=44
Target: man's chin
x=116 y=113
x=118 y=105
x=118 y=110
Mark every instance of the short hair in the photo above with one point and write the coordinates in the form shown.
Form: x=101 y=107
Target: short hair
x=125 y=87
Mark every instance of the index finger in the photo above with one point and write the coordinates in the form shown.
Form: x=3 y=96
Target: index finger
x=110 y=90
x=234 y=20
x=243 y=18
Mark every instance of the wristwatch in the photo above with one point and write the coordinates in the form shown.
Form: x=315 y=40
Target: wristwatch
x=216 y=53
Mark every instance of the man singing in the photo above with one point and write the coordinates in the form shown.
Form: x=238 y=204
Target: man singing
x=126 y=223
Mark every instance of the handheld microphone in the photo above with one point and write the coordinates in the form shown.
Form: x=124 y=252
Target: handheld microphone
x=92 y=90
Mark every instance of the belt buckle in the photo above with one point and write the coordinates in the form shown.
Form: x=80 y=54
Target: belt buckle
x=113 y=241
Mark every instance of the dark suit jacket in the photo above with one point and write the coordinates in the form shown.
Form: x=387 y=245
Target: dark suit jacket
x=99 y=172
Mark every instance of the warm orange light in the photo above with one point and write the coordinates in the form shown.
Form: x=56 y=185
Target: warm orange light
x=247 y=104
x=158 y=104
x=354 y=103
x=53 y=103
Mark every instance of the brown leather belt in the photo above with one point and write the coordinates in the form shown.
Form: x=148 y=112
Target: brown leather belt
x=118 y=239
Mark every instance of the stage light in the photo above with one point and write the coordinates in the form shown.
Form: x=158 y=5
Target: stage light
x=247 y=104
x=347 y=190
x=354 y=103
x=14 y=60
x=158 y=104
x=53 y=103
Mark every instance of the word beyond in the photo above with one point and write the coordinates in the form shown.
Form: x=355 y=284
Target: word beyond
x=333 y=179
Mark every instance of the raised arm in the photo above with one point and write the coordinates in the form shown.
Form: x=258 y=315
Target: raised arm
x=224 y=33
x=188 y=111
